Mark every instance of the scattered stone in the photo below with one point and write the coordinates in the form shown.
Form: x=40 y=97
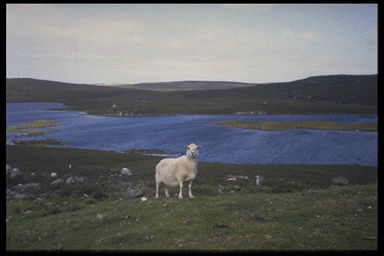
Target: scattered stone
x=268 y=236
x=370 y=238
x=70 y=166
x=28 y=212
x=53 y=174
x=232 y=192
x=13 y=172
x=134 y=193
x=29 y=187
x=100 y=216
x=220 y=189
x=121 y=184
x=340 y=180
x=143 y=199
x=32 y=174
x=114 y=105
x=8 y=168
x=126 y=171
x=58 y=181
x=13 y=195
x=85 y=195
x=220 y=225
x=236 y=177
x=75 y=179
x=237 y=187
x=259 y=180
x=187 y=221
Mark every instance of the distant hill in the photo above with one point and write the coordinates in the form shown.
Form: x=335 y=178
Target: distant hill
x=187 y=85
x=353 y=94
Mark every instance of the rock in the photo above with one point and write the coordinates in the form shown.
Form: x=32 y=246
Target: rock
x=236 y=177
x=232 y=192
x=58 y=181
x=28 y=212
x=126 y=171
x=143 y=199
x=8 y=170
x=340 y=180
x=237 y=187
x=75 y=179
x=114 y=105
x=70 y=166
x=100 y=216
x=13 y=172
x=12 y=195
x=220 y=189
x=29 y=187
x=259 y=180
x=53 y=174
x=134 y=193
x=99 y=195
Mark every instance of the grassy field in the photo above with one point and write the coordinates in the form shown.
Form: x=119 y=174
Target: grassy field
x=296 y=208
x=317 y=125
x=33 y=128
x=347 y=94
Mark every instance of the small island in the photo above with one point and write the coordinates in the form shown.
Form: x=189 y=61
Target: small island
x=316 y=125
x=33 y=128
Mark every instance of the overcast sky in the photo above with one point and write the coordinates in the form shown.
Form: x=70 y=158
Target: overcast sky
x=114 y=43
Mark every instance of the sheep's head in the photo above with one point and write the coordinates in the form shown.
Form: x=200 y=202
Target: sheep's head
x=192 y=150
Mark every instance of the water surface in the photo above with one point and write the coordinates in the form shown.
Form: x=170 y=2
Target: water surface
x=219 y=143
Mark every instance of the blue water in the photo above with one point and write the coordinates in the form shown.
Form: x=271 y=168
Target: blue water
x=219 y=144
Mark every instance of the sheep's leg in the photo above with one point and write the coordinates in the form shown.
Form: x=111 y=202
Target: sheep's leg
x=166 y=192
x=190 y=190
x=157 y=185
x=181 y=189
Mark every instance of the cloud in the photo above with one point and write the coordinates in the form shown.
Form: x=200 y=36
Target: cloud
x=309 y=35
x=254 y=7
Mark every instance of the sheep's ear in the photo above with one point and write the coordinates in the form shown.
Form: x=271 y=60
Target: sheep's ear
x=198 y=146
x=186 y=146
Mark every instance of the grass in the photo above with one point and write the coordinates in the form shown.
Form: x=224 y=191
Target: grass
x=296 y=208
x=33 y=128
x=317 y=125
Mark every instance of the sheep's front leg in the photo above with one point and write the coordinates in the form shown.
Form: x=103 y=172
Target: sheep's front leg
x=190 y=189
x=157 y=179
x=181 y=189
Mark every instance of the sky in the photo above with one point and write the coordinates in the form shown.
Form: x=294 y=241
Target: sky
x=133 y=43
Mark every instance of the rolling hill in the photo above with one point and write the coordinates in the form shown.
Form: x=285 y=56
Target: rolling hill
x=352 y=94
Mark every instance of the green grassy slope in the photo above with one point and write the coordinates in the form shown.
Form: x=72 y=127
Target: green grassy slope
x=296 y=208
x=327 y=94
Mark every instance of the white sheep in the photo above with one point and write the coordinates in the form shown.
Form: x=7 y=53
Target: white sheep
x=174 y=171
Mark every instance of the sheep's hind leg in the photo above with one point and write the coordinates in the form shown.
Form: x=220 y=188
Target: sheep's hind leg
x=166 y=192
x=190 y=190
x=157 y=185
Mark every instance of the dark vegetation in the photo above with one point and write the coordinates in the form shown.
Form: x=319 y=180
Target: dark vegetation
x=352 y=94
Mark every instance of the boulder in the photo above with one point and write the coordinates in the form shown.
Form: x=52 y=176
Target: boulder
x=258 y=180
x=53 y=174
x=126 y=171
x=27 y=188
x=340 y=180
x=75 y=179
x=58 y=181
x=13 y=172
x=134 y=193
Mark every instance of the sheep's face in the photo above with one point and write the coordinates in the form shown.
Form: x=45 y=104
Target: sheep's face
x=192 y=150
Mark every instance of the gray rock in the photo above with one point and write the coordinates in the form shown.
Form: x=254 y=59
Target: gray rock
x=126 y=171
x=258 y=180
x=58 y=181
x=121 y=184
x=236 y=177
x=29 y=187
x=75 y=179
x=134 y=193
x=220 y=189
x=340 y=180
x=8 y=168
x=13 y=172
x=237 y=187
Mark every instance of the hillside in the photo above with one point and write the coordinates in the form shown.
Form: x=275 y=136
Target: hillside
x=188 y=85
x=352 y=94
